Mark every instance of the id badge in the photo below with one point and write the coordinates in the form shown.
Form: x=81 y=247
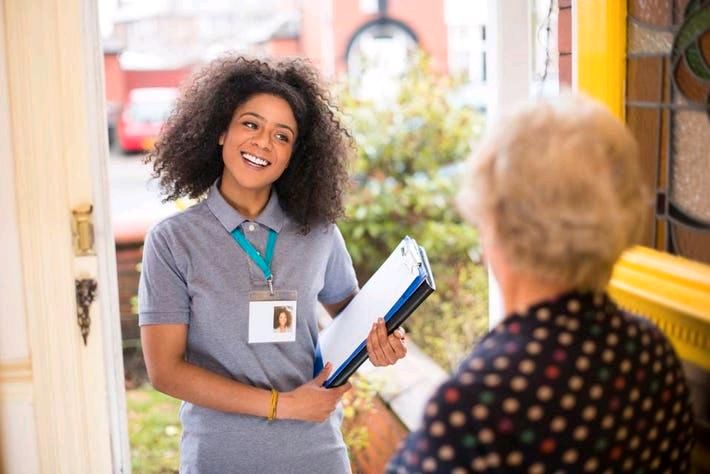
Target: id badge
x=272 y=318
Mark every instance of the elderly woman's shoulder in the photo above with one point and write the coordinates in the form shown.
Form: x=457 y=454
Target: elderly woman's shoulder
x=485 y=378
x=643 y=330
x=498 y=354
x=642 y=323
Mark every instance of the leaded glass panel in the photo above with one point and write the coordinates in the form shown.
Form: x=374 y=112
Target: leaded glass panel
x=668 y=110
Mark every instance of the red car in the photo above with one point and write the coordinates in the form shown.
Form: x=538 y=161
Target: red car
x=143 y=116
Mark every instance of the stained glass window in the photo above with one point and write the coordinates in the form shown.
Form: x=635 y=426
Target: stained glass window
x=668 y=110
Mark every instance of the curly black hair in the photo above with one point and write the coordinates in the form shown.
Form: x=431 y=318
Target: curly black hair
x=187 y=157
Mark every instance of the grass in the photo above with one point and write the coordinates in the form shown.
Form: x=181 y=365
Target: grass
x=154 y=431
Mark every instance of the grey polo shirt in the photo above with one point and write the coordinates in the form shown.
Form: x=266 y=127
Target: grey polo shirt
x=195 y=273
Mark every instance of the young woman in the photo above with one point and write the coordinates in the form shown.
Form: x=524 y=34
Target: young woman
x=259 y=143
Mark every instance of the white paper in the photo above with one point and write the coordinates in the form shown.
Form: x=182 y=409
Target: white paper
x=350 y=328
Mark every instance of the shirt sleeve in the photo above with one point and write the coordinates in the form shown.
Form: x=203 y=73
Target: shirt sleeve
x=163 y=296
x=448 y=440
x=340 y=280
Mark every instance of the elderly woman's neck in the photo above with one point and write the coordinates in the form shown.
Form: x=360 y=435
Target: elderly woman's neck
x=521 y=291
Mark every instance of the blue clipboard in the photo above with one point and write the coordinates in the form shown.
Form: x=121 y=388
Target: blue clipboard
x=393 y=292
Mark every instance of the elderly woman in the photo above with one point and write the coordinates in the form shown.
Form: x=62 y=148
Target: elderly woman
x=567 y=382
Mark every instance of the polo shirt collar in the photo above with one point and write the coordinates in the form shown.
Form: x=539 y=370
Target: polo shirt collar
x=273 y=216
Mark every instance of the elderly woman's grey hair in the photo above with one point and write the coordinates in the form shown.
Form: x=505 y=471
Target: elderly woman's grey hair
x=560 y=182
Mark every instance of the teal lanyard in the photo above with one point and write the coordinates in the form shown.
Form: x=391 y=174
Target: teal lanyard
x=264 y=263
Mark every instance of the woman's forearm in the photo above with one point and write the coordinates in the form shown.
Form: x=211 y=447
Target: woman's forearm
x=199 y=386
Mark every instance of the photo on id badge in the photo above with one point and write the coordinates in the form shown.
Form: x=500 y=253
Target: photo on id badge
x=272 y=318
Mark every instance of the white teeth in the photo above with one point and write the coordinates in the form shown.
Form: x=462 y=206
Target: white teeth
x=255 y=159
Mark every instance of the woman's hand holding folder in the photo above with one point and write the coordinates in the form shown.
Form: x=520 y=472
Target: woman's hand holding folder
x=383 y=349
x=311 y=401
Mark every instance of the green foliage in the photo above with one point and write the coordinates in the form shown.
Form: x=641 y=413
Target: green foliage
x=401 y=190
x=154 y=431
x=357 y=406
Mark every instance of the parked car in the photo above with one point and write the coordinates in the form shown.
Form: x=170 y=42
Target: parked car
x=143 y=116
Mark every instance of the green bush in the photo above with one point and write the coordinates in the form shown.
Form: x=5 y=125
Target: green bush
x=154 y=431
x=400 y=189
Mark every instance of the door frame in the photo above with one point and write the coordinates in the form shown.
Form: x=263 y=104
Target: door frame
x=51 y=73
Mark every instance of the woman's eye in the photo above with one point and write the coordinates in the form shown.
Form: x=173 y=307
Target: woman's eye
x=251 y=125
x=282 y=137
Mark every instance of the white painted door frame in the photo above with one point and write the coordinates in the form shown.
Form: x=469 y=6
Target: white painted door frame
x=509 y=47
x=62 y=403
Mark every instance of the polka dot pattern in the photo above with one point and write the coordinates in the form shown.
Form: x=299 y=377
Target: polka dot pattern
x=573 y=385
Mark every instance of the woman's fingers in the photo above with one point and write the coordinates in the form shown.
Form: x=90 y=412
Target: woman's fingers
x=313 y=402
x=374 y=349
x=323 y=375
x=340 y=391
x=398 y=345
x=385 y=349
x=383 y=339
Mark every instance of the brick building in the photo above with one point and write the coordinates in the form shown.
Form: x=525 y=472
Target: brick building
x=161 y=45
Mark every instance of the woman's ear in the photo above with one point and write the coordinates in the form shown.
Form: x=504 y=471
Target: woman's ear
x=221 y=139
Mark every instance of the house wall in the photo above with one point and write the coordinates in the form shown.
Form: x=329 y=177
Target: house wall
x=341 y=19
x=114 y=79
x=564 y=42
x=162 y=78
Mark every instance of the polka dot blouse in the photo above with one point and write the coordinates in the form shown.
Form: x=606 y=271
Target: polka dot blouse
x=574 y=385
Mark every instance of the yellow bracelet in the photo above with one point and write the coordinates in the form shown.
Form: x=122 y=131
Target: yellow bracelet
x=274 y=404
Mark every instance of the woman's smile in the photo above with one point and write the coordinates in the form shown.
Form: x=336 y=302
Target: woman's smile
x=256 y=161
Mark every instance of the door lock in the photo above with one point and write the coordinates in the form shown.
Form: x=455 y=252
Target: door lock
x=83 y=230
